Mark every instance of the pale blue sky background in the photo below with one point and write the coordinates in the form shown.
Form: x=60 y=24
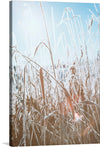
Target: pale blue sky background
x=66 y=39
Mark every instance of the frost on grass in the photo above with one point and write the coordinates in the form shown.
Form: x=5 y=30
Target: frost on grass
x=58 y=104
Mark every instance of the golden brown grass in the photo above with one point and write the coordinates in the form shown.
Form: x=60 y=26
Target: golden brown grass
x=45 y=112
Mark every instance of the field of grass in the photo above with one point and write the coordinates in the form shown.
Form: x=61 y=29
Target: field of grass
x=58 y=104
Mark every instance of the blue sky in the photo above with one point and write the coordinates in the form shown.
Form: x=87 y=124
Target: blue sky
x=28 y=29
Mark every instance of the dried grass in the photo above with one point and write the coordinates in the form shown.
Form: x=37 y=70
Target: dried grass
x=45 y=111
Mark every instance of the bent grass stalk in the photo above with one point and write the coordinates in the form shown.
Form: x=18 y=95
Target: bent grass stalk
x=48 y=39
